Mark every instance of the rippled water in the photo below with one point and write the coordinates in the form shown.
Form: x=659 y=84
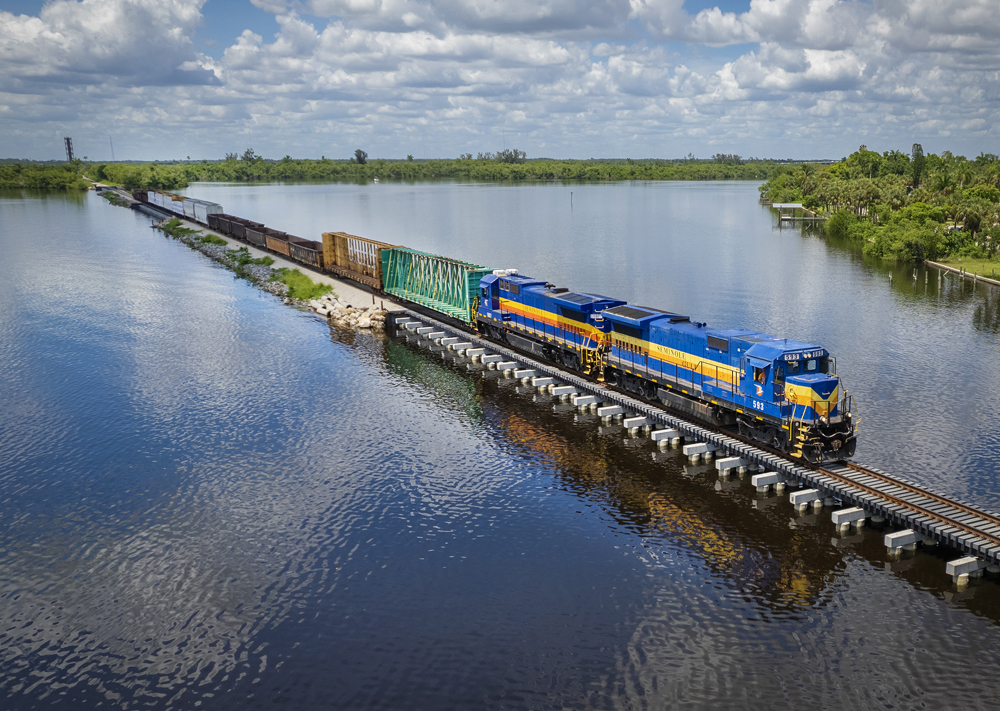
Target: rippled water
x=211 y=499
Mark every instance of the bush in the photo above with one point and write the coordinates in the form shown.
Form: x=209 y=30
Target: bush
x=212 y=239
x=839 y=225
x=904 y=241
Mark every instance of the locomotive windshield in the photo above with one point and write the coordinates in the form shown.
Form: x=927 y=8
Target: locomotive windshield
x=810 y=366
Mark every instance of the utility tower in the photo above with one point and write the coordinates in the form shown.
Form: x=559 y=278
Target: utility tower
x=69 y=149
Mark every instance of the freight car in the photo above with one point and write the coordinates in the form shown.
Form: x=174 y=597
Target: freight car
x=783 y=393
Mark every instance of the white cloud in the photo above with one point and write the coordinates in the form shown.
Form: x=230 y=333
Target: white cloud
x=126 y=42
x=439 y=77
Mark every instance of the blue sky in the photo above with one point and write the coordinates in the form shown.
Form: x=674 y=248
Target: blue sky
x=436 y=78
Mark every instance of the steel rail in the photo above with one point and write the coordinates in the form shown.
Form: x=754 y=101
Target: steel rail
x=990 y=519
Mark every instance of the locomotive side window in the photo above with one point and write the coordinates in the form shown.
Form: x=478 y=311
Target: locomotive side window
x=794 y=367
x=811 y=365
x=779 y=374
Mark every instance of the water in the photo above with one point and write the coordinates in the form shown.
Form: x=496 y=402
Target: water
x=212 y=500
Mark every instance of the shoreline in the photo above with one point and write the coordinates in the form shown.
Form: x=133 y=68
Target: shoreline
x=976 y=278
x=346 y=306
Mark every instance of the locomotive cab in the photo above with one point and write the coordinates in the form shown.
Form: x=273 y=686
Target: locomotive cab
x=816 y=412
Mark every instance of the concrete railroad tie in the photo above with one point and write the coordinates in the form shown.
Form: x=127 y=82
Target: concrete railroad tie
x=727 y=463
x=962 y=569
x=525 y=375
x=411 y=325
x=491 y=358
x=474 y=352
x=435 y=335
x=610 y=411
x=665 y=437
x=634 y=422
x=543 y=382
x=448 y=341
x=460 y=346
x=585 y=400
x=845 y=518
x=699 y=449
x=802 y=499
x=507 y=365
x=424 y=330
x=563 y=390
x=900 y=541
x=766 y=480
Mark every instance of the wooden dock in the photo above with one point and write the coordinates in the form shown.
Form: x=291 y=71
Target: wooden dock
x=796 y=212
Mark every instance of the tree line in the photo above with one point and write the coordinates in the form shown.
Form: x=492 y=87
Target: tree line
x=504 y=165
x=43 y=177
x=902 y=206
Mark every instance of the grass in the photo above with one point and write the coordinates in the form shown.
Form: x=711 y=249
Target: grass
x=982 y=267
x=241 y=258
x=213 y=239
x=113 y=198
x=299 y=285
x=174 y=229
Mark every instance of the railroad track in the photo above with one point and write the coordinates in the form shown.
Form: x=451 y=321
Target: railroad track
x=904 y=504
x=927 y=504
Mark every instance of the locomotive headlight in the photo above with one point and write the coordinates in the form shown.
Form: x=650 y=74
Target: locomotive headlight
x=822 y=418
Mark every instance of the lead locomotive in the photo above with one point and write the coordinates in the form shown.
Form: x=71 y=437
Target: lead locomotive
x=783 y=393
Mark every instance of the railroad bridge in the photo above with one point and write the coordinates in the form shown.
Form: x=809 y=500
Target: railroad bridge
x=921 y=516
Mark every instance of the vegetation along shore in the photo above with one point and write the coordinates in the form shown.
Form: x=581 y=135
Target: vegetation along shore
x=900 y=206
x=507 y=165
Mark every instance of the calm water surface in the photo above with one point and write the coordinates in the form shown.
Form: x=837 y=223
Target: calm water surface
x=212 y=500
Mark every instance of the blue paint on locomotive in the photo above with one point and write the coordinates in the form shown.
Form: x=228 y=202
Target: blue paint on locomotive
x=748 y=369
x=537 y=308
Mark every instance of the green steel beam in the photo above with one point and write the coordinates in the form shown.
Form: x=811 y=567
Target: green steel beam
x=446 y=285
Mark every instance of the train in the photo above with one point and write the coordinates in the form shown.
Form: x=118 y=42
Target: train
x=782 y=393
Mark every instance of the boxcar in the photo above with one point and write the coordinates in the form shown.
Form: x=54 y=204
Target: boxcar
x=354 y=257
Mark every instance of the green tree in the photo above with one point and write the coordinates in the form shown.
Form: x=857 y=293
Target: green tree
x=918 y=161
x=360 y=157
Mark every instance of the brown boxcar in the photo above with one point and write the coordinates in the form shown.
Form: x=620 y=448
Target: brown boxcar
x=141 y=195
x=354 y=257
x=306 y=251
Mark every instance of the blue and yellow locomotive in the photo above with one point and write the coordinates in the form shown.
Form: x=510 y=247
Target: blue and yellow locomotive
x=783 y=393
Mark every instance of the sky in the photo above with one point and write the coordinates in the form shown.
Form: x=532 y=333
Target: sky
x=168 y=79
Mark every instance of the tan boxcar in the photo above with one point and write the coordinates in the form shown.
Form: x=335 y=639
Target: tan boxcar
x=354 y=257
